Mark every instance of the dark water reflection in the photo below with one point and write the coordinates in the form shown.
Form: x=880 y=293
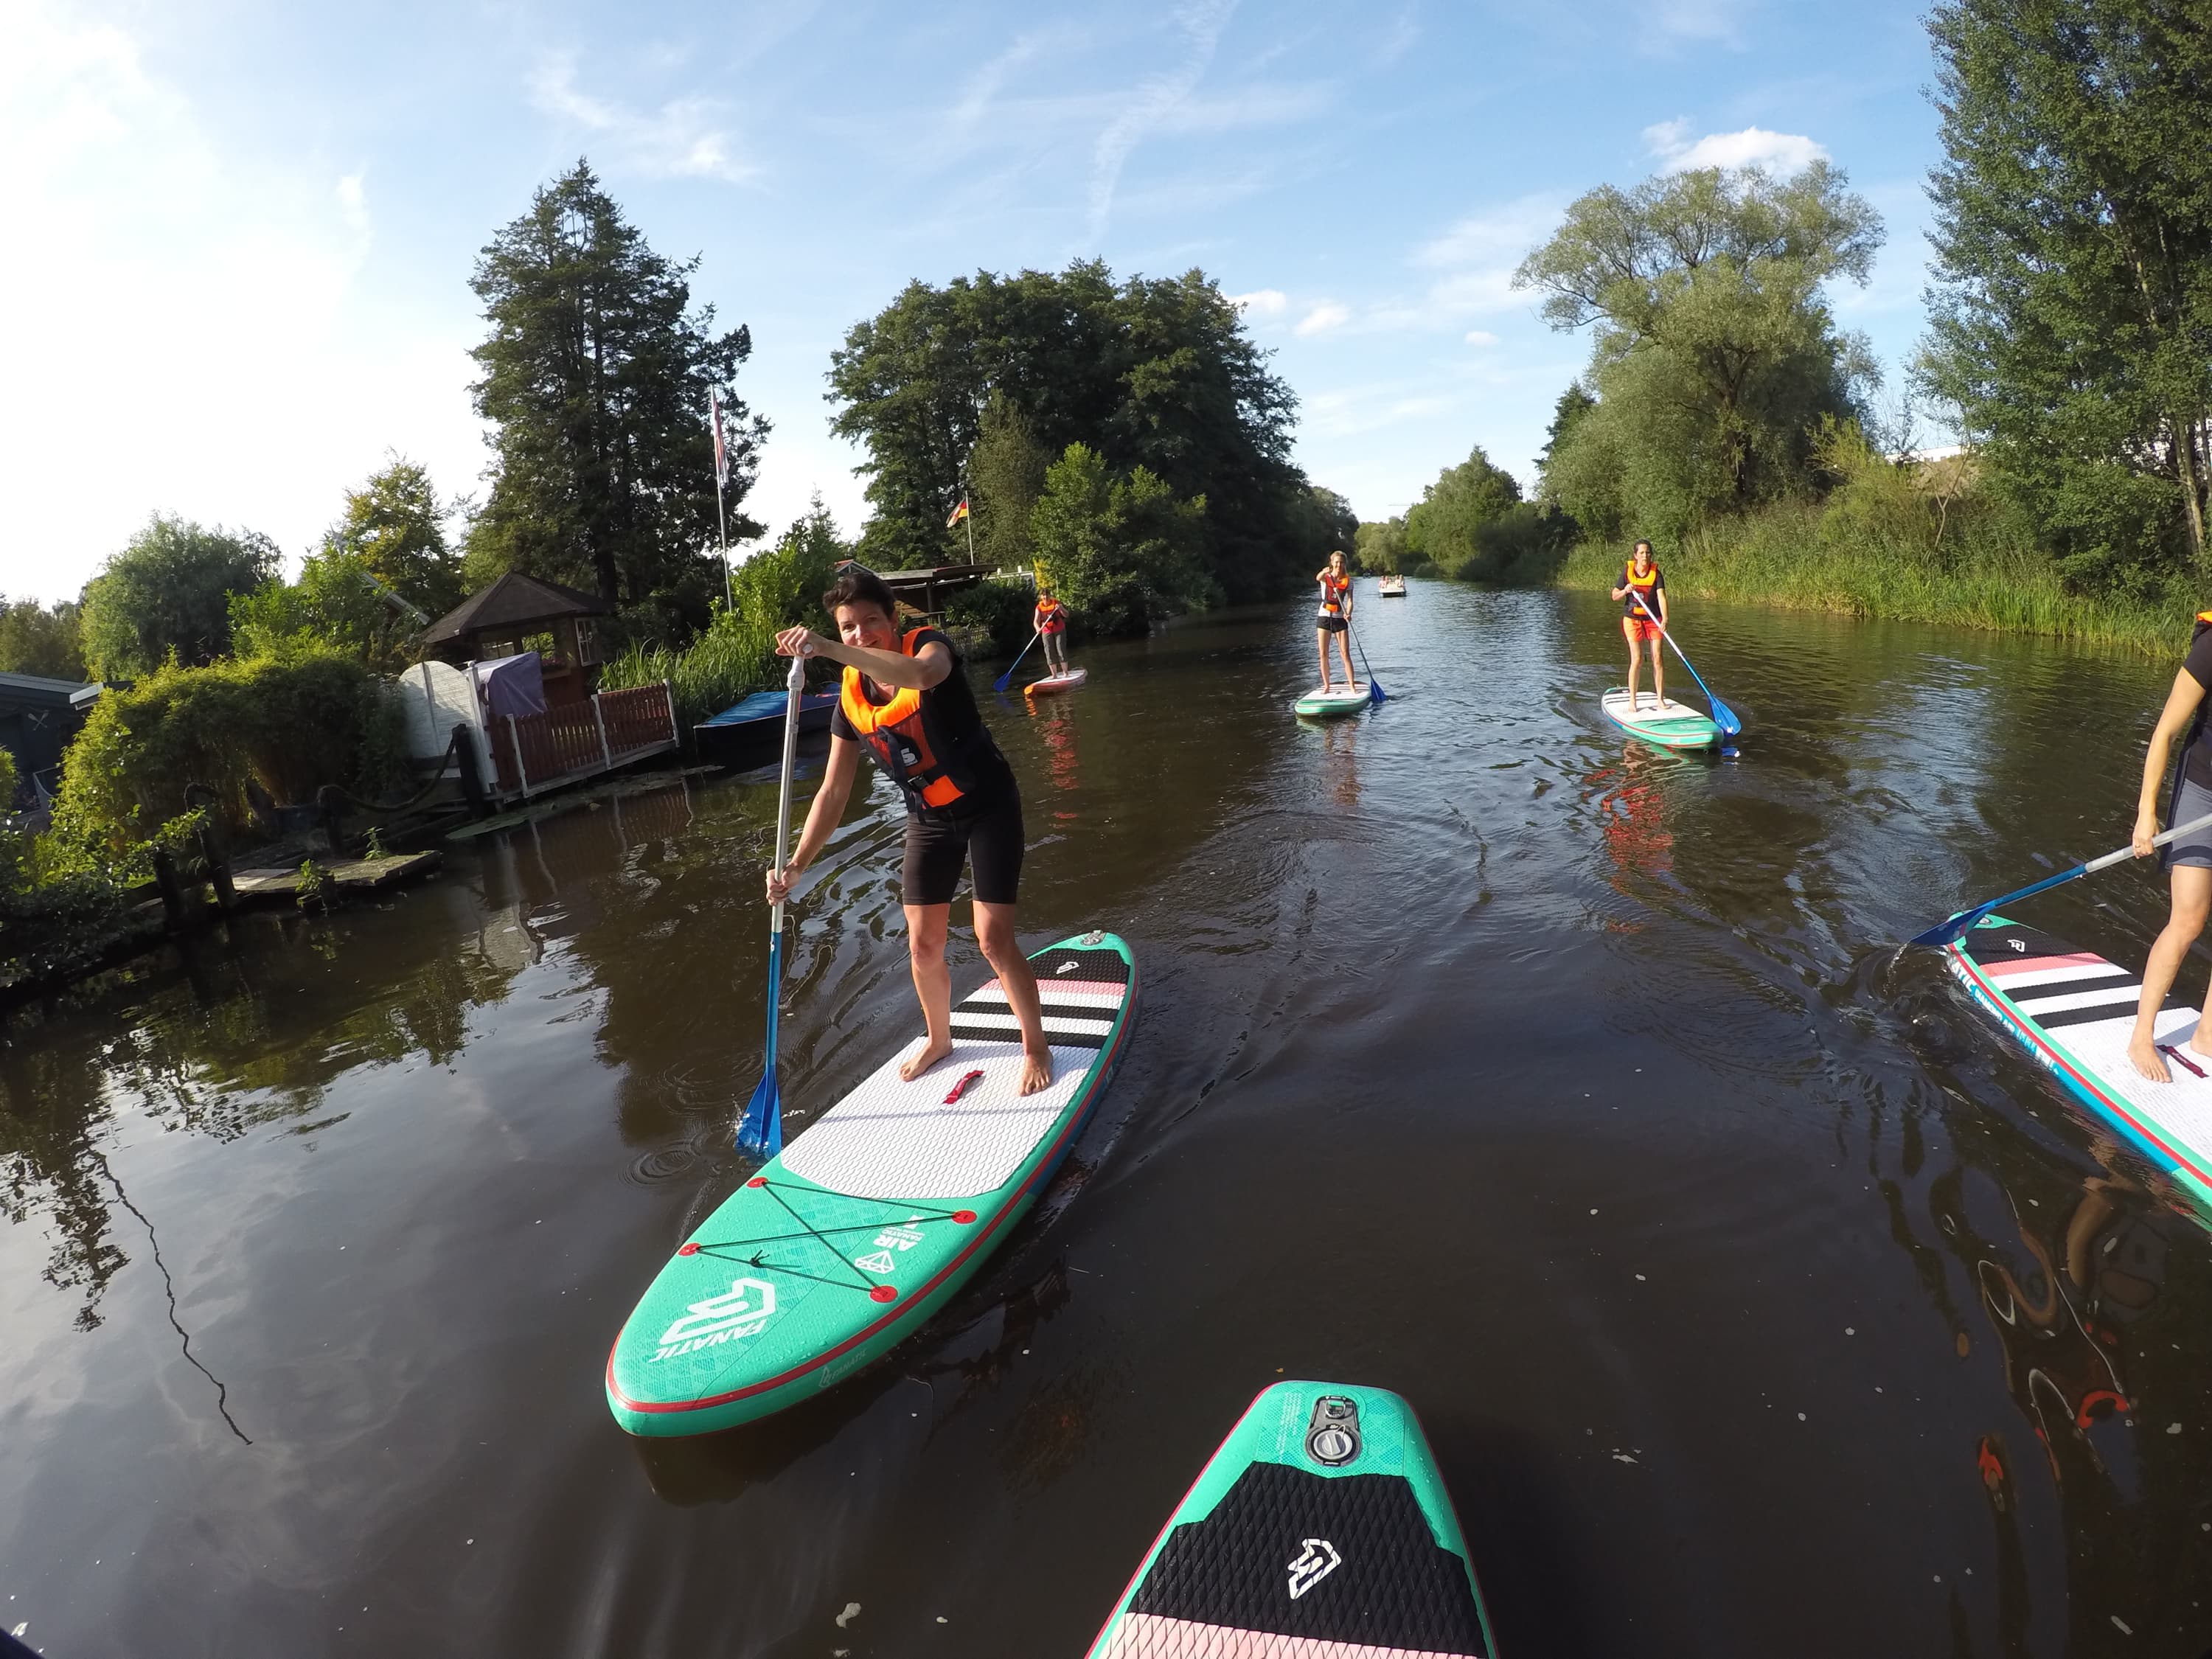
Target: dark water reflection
x=1757 y=1298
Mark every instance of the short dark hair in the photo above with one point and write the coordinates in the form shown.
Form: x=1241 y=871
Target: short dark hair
x=857 y=585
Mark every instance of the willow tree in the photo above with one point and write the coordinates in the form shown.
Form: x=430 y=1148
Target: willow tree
x=596 y=379
x=2071 y=311
x=1714 y=353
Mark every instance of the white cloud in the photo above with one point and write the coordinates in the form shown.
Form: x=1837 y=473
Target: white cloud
x=1153 y=103
x=1322 y=317
x=1481 y=337
x=684 y=139
x=1673 y=21
x=1262 y=302
x=1778 y=152
x=225 y=286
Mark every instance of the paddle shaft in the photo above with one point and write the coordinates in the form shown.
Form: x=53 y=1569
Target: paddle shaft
x=1374 y=691
x=1957 y=924
x=1006 y=679
x=1725 y=716
x=796 y=683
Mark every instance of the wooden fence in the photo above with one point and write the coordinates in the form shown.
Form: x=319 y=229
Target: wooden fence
x=532 y=752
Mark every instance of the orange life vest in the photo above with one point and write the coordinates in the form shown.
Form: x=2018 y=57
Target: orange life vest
x=908 y=739
x=1051 y=615
x=1639 y=588
x=1333 y=590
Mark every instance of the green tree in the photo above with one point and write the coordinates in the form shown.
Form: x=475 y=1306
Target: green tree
x=339 y=603
x=2071 y=311
x=170 y=590
x=1715 y=353
x=1380 y=547
x=1441 y=527
x=1006 y=476
x=1574 y=404
x=596 y=379
x=1122 y=551
x=1150 y=373
x=36 y=638
x=395 y=524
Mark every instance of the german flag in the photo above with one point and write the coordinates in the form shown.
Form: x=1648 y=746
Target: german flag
x=958 y=514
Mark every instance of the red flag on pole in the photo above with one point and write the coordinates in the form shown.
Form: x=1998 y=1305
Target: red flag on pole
x=721 y=450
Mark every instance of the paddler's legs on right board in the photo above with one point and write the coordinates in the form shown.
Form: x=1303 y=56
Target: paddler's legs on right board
x=2192 y=902
x=995 y=931
x=932 y=983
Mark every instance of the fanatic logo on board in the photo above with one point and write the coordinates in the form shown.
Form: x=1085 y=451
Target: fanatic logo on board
x=1315 y=1562
x=742 y=1311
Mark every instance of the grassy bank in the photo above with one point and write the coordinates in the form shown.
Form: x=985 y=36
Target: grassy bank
x=1781 y=557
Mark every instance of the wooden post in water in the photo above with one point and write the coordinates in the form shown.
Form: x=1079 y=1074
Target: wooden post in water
x=171 y=889
x=472 y=783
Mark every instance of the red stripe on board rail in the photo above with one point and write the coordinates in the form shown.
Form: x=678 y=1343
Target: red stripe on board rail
x=2034 y=1037
x=1107 y=1060
x=2035 y=964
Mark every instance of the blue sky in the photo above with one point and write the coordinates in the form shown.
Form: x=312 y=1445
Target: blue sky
x=243 y=231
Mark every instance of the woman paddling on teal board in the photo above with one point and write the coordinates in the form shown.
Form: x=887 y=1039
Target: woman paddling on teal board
x=906 y=699
x=2188 y=861
x=1336 y=618
x=1641 y=589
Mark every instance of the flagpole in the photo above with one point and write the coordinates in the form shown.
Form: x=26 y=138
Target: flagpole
x=721 y=518
x=729 y=602
x=968 y=502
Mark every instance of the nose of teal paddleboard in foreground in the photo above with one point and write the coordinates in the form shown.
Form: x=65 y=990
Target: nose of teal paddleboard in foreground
x=1320 y=1527
x=837 y=1248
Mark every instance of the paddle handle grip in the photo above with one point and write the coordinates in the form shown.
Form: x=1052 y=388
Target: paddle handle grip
x=2159 y=840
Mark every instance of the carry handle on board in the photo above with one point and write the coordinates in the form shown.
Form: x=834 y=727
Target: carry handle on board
x=1963 y=921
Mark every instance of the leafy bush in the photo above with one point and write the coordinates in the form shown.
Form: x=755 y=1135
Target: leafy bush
x=289 y=725
x=1005 y=610
x=1522 y=547
x=1121 y=552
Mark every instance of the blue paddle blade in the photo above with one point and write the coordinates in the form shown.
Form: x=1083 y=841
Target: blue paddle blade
x=1945 y=934
x=760 y=1131
x=1374 y=691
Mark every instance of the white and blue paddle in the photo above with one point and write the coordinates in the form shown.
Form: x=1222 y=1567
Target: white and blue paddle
x=760 y=1131
x=1950 y=931
x=1723 y=716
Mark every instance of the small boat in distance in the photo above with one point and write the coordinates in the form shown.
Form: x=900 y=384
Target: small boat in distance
x=1392 y=587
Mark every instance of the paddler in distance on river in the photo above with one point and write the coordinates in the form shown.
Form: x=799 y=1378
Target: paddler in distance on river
x=1052 y=629
x=906 y=699
x=2189 y=860
x=1335 y=617
x=1641 y=589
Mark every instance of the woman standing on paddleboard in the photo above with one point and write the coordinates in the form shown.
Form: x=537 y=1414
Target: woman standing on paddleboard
x=1052 y=629
x=1336 y=618
x=1640 y=589
x=905 y=698
x=2189 y=861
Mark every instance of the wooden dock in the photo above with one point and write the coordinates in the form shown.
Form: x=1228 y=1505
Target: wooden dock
x=345 y=875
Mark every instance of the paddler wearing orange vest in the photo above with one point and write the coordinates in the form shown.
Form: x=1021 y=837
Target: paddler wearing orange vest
x=905 y=699
x=1640 y=589
x=2189 y=860
x=1335 y=617
x=1052 y=629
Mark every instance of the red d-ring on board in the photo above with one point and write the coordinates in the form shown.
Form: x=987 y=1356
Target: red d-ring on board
x=882 y=1293
x=687 y=1250
x=758 y=1181
x=964 y=1217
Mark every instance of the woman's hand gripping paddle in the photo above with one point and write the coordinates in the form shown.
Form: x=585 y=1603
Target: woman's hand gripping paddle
x=1007 y=678
x=760 y=1131
x=1950 y=931
x=1374 y=691
x=1723 y=716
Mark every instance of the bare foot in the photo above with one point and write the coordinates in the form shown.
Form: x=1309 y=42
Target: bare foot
x=930 y=1054
x=1037 y=1069
x=2142 y=1053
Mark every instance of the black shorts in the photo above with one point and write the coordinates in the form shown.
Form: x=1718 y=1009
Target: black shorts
x=1330 y=624
x=938 y=847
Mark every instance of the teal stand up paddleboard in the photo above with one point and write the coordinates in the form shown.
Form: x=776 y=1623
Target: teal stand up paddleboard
x=2074 y=1011
x=1334 y=699
x=1670 y=725
x=1321 y=1529
x=867 y=1223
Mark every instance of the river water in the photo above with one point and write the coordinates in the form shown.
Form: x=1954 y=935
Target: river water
x=1758 y=1297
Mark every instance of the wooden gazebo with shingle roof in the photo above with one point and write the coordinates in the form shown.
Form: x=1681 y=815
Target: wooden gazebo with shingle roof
x=522 y=612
